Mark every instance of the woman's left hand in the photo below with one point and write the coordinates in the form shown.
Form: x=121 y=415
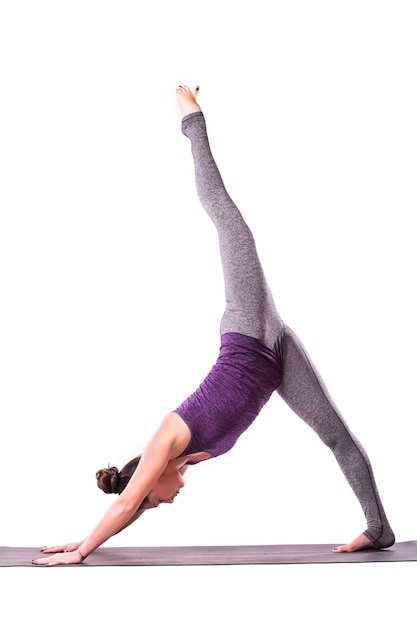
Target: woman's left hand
x=63 y=558
x=67 y=547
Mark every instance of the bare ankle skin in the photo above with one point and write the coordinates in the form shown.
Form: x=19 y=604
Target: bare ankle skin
x=186 y=98
x=360 y=543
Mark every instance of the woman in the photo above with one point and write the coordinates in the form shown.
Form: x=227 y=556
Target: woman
x=259 y=354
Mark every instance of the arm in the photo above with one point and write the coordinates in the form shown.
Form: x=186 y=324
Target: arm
x=169 y=441
x=74 y=545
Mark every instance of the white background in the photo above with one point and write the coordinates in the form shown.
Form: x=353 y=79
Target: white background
x=111 y=288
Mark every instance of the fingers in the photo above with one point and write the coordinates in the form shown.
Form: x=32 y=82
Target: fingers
x=67 y=547
x=44 y=561
x=62 y=558
x=53 y=549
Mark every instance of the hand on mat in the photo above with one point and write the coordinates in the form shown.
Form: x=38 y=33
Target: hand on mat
x=67 y=547
x=62 y=558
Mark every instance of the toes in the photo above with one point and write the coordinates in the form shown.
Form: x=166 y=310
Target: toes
x=183 y=89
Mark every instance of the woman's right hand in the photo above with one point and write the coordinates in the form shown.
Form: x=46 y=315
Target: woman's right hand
x=67 y=547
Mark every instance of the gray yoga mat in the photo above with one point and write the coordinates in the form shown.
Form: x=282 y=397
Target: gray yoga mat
x=220 y=555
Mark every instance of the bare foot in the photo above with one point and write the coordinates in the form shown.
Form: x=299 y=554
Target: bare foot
x=187 y=100
x=360 y=543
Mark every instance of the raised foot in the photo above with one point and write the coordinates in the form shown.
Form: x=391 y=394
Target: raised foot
x=360 y=543
x=187 y=100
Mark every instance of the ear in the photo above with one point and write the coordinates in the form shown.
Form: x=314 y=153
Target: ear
x=190 y=458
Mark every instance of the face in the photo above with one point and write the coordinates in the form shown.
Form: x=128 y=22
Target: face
x=166 y=488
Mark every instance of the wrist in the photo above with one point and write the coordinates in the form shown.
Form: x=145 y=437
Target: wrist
x=83 y=557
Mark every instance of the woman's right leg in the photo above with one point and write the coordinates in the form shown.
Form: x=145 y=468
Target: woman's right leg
x=305 y=393
x=250 y=308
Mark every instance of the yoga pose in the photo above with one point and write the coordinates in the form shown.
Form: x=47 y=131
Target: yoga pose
x=259 y=354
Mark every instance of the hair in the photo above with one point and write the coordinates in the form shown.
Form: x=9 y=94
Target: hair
x=111 y=480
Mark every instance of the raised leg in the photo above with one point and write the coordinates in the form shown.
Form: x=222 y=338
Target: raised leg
x=250 y=308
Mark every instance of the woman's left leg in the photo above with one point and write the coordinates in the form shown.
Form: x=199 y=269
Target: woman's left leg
x=303 y=389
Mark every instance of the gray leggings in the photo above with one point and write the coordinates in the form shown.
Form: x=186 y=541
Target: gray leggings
x=250 y=310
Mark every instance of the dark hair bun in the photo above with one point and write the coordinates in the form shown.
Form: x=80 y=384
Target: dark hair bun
x=108 y=479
